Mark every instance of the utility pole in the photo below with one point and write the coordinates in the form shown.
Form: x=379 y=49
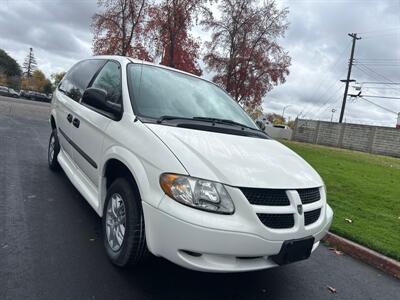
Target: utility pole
x=348 y=80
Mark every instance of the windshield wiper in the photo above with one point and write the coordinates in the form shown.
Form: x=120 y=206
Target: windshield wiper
x=163 y=118
x=205 y=119
x=224 y=121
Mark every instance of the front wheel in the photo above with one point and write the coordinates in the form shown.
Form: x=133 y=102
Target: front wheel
x=53 y=150
x=123 y=225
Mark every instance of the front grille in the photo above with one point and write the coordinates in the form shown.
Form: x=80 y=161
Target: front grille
x=277 y=221
x=309 y=195
x=270 y=197
x=311 y=216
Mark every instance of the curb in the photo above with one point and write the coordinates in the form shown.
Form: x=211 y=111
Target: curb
x=373 y=258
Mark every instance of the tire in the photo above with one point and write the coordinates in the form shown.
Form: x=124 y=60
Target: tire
x=132 y=250
x=53 y=150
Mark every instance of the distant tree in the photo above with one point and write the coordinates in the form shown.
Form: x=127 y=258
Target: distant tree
x=169 y=24
x=275 y=118
x=37 y=82
x=10 y=70
x=244 y=51
x=118 y=28
x=9 y=65
x=291 y=123
x=254 y=112
x=57 y=77
x=48 y=87
x=3 y=78
x=30 y=64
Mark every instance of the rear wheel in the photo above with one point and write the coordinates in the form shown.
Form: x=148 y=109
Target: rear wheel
x=53 y=150
x=123 y=225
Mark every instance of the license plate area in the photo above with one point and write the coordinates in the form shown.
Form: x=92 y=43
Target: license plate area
x=294 y=250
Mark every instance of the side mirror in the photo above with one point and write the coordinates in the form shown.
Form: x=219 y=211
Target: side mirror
x=97 y=98
x=261 y=125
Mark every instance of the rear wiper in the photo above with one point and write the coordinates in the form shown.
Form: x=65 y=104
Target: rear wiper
x=223 y=121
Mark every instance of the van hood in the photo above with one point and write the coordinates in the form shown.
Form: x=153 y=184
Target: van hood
x=237 y=160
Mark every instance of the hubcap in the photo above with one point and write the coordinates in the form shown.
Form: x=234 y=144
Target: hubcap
x=51 y=148
x=115 y=221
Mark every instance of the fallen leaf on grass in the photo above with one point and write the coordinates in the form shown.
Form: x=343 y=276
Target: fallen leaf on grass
x=349 y=220
x=331 y=289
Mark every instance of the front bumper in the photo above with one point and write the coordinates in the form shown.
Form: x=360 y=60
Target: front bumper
x=219 y=243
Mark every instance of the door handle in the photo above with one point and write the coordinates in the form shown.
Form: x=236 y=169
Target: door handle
x=69 y=118
x=76 y=122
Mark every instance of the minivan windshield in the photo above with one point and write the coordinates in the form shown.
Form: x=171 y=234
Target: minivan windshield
x=158 y=92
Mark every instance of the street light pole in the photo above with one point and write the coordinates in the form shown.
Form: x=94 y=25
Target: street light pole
x=283 y=111
x=333 y=112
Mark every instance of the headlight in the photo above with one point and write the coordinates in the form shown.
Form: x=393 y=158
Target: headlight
x=197 y=193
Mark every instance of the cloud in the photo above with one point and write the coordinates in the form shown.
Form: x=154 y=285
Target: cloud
x=318 y=43
x=59 y=32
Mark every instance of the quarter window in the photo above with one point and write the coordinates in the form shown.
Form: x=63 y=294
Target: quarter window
x=79 y=77
x=109 y=79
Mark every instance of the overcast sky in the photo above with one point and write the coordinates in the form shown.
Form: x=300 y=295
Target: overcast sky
x=59 y=32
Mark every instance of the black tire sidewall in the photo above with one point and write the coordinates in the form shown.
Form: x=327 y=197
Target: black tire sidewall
x=53 y=164
x=134 y=226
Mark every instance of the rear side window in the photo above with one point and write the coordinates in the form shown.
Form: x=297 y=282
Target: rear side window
x=79 y=77
x=109 y=79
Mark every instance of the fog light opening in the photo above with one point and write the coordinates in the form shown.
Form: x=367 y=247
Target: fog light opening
x=192 y=253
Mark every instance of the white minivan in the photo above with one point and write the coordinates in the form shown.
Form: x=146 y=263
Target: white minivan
x=176 y=168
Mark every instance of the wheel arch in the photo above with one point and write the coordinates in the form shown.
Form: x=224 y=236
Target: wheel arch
x=120 y=162
x=53 y=122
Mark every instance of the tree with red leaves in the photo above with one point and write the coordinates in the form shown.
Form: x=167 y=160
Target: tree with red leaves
x=244 y=51
x=170 y=21
x=118 y=29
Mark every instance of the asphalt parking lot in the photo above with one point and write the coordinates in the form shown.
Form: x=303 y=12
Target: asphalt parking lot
x=51 y=247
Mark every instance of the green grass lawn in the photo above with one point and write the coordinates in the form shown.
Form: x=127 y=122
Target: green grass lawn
x=364 y=188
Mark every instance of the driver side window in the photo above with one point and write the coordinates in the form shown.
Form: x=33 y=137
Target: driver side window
x=109 y=79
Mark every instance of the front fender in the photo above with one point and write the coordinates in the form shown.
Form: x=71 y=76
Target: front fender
x=144 y=174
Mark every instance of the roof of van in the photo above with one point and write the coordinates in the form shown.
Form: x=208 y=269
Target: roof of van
x=125 y=59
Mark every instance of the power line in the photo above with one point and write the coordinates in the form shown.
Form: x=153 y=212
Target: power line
x=377 y=31
x=373 y=71
x=376 y=96
x=336 y=65
x=380 y=65
x=380 y=88
x=379 y=82
x=380 y=106
x=377 y=59
x=312 y=113
x=368 y=72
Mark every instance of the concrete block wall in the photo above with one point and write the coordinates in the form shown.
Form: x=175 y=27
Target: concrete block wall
x=279 y=133
x=329 y=134
x=365 y=138
x=356 y=137
x=386 y=141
